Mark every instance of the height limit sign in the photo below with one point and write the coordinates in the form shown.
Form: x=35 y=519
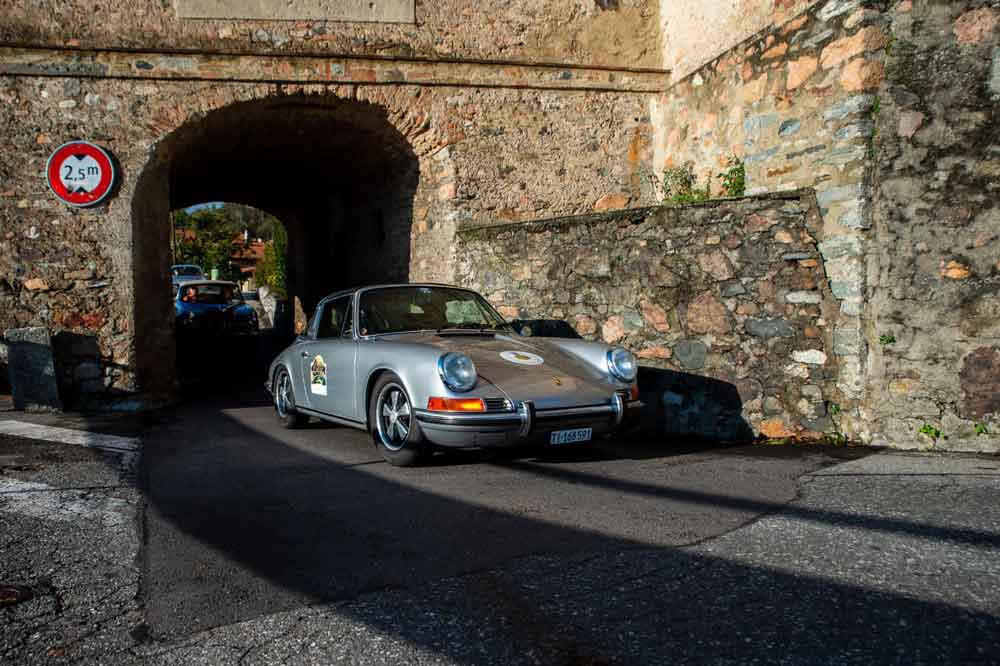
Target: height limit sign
x=80 y=173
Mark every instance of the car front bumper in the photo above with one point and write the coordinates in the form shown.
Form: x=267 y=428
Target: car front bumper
x=526 y=425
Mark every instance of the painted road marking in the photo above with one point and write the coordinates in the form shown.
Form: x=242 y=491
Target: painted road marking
x=127 y=449
x=91 y=440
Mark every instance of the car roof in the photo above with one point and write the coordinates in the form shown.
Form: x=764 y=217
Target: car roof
x=354 y=290
x=219 y=283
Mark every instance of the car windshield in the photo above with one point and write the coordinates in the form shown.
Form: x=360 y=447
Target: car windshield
x=401 y=309
x=210 y=294
x=186 y=270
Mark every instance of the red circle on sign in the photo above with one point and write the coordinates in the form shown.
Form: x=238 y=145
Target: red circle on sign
x=80 y=173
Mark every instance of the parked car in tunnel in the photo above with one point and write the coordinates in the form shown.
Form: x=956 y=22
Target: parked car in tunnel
x=426 y=365
x=185 y=273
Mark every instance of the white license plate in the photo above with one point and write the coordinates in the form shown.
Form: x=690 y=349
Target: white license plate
x=571 y=436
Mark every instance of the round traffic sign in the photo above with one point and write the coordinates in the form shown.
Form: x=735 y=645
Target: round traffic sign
x=80 y=173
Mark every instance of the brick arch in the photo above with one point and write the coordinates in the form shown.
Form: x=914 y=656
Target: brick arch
x=343 y=170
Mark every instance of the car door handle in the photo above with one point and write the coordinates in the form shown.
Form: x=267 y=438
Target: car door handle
x=305 y=354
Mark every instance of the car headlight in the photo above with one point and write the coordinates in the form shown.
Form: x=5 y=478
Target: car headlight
x=622 y=365
x=457 y=371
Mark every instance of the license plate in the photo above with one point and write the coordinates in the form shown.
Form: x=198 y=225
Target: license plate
x=571 y=436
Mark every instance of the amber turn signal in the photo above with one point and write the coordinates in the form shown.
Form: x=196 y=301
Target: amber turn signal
x=456 y=405
x=634 y=392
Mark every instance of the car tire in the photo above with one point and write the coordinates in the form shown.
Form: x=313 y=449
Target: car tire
x=284 y=401
x=394 y=429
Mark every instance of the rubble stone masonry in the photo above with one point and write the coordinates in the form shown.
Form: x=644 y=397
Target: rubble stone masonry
x=725 y=304
x=888 y=111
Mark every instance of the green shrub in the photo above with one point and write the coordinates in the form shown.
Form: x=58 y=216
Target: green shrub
x=734 y=179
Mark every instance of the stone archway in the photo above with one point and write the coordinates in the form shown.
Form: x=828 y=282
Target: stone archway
x=339 y=173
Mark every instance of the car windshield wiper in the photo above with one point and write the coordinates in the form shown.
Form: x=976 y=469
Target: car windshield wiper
x=466 y=329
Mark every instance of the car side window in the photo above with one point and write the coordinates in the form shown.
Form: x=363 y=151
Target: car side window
x=332 y=318
x=348 y=330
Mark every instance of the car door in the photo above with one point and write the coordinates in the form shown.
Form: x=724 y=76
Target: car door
x=328 y=360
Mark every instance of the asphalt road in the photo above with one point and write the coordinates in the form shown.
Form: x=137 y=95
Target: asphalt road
x=244 y=544
x=245 y=518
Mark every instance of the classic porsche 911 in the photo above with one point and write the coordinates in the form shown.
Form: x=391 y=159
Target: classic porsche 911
x=424 y=365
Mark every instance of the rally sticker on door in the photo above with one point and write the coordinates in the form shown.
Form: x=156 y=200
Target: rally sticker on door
x=522 y=358
x=317 y=376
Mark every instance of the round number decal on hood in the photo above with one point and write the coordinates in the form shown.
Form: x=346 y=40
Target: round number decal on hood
x=522 y=358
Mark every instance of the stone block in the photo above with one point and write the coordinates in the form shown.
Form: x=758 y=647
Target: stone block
x=800 y=70
x=733 y=288
x=705 y=314
x=762 y=156
x=847 y=340
x=754 y=124
x=632 y=321
x=818 y=39
x=691 y=354
x=861 y=74
x=775 y=429
x=32 y=369
x=845 y=154
x=975 y=26
x=850 y=379
x=813 y=394
x=836 y=8
x=846 y=288
x=840 y=194
x=769 y=328
x=809 y=357
x=909 y=123
x=865 y=128
x=856 y=216
x=804 y=297
x=789 y=127
x=980 y=383
x=841 y=246
x=871 y=38
x=851 y=106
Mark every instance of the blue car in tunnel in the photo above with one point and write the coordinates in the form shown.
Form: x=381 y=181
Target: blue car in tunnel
x=213 y=307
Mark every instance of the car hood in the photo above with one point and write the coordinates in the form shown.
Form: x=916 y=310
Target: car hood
x=560 y=380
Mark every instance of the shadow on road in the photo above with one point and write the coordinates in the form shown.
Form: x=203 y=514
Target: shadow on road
x=577 y=558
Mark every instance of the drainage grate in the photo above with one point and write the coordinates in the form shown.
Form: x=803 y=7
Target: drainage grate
x=13 y=594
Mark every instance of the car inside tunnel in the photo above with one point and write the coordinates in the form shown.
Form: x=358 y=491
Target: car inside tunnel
x=336 y=173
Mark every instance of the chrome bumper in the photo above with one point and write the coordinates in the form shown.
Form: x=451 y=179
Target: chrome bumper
x=521 y=425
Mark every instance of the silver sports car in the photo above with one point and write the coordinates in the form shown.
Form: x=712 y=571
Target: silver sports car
x=424 y=365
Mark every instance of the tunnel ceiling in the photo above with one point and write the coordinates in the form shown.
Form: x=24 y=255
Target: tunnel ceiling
x=262 y=153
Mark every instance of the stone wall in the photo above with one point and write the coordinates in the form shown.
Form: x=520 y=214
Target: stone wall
x=886 y=110
x=935 y=267
x=794 y=103
x=724 y=303
x=695 y=31
x=614 y=33
x=371 y=141
x=482 y=154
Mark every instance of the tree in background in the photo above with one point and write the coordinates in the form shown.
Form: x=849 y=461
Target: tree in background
x=272 y=269
x=209 y=237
